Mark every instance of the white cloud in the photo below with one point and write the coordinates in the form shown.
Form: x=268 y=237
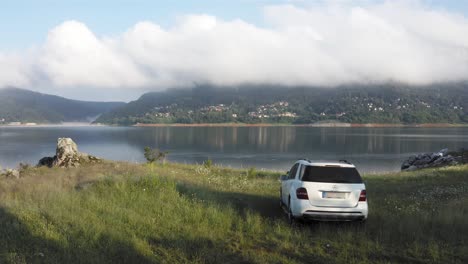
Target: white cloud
x=73 y=55
x=14 y=70
x=324 y=44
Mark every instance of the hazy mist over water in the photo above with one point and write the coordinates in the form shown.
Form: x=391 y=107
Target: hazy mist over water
x=371 y=149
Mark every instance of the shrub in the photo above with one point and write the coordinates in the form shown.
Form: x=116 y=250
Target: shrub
x=24 y=166
x=208 y=163
x=252 y=172
x=153 y=155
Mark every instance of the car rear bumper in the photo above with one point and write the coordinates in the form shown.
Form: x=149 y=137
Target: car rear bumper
x=303 y=209
x=333 y=216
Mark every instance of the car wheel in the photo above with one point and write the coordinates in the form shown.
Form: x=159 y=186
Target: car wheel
x=290 y=215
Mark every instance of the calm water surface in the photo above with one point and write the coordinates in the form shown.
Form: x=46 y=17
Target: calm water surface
x=372 y=149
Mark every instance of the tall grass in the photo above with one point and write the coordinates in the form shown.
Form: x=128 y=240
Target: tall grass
x=127 y=213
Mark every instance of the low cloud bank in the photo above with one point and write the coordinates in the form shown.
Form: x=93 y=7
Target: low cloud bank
x=326 y=44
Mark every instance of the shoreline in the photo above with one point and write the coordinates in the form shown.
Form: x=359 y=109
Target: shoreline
x=374 y=125
x=69 y=124
x=370 y=125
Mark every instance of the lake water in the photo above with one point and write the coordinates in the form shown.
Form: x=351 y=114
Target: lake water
x=371 y=149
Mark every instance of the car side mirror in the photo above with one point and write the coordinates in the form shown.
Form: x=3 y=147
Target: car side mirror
x=283 y=177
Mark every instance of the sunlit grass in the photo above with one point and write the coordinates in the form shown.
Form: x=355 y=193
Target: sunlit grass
x=119 y=212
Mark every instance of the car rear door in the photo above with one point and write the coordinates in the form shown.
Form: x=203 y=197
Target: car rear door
x=332 y=187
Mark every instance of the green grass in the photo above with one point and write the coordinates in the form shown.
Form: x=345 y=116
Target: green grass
x=174 y=213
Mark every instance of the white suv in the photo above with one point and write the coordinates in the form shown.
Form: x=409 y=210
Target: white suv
x=329 y=191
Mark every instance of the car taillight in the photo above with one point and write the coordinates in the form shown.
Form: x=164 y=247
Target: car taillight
x=301 y=193
x=363 y=196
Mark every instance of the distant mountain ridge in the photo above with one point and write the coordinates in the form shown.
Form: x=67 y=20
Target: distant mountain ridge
x=20 y=105
x=386 y=103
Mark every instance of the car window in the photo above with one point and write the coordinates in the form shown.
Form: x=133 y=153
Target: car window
x=301 y=171
x=292 y=172
x=331 y=174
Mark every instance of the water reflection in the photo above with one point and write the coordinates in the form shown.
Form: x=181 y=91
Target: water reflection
x=373 y=149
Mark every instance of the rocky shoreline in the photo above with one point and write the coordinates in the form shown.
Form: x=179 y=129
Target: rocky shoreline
x=67 y=155
x=441 y=158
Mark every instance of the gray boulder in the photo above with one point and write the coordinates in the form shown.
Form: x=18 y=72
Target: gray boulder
x=67 y=155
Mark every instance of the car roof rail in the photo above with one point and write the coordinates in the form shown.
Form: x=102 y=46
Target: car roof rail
x=308 y=160
x=344 y=161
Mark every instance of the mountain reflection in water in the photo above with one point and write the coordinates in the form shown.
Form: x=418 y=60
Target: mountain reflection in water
x=372 y=149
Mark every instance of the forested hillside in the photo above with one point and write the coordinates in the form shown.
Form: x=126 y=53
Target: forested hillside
x=390 y=103
x=18 y=105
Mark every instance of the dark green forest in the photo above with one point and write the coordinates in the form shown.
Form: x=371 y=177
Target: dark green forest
x=389 y=103
x=18 y=105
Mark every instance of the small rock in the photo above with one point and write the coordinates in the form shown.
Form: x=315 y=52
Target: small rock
x=405 y=165
x=439 y=161
x=422 y=161
x=434 y=157
x=10 y=173
x=46 y=161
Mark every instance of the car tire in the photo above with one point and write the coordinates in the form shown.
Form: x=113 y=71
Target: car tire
x=291 y=218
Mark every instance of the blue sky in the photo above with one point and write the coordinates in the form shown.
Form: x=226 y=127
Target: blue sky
x=24 y=23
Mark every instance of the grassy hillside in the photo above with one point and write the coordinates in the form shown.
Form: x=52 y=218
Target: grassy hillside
x=386 y=103
x=127 y=213
x=18 y=105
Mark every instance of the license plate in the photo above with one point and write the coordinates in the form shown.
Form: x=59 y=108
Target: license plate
x=334 y=195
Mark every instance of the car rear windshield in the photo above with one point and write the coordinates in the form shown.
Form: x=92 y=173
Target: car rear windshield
x=331 y=174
